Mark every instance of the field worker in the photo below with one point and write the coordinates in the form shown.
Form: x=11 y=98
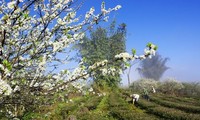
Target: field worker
x=135 y=98
x=153 y=89
x=146 y=94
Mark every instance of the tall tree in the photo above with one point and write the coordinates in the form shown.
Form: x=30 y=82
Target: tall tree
x=153 y=68
x=104 y=44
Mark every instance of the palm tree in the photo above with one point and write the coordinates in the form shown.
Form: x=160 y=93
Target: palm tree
x=153 y=68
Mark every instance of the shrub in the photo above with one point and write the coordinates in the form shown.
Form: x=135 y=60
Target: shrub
x=144 y=83
x=171 y=86
x=165 y=112
x=177 y=105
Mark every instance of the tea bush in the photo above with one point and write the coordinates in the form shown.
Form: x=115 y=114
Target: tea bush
x=120 y=109
x=165 y=112
x=177 y=105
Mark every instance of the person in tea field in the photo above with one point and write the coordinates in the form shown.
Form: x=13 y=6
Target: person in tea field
x=135 y=98
x=153 y=89
x=146 y=94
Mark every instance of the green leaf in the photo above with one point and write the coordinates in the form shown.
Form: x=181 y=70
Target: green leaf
x=25 y=15
x=149 y=44
x=7 y=65
x=69 y=36
x=133 y=51
x=156 y=48
x=127 y=64
x=41 y=59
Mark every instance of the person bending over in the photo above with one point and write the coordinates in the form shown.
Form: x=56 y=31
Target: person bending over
x=135 y=98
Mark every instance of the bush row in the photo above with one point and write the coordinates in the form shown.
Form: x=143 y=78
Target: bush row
x=56 y=111
x=177 y=105
x=165 y=112
x=93 y=109
x=182 y=100
x=121 y=110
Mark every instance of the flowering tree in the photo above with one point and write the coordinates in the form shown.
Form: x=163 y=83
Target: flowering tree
x=140 y=84
x=33 y=36
x=171 y=86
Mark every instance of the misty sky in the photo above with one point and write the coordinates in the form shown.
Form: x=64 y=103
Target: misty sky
x=173 y=25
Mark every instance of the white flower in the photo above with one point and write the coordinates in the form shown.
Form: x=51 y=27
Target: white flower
x=21 y=0
x=72 y=14
x=152 y=46
x=91 y=11
x=91 y=89
x=1 y=67
x=142 y=57
x=60 y=21
x=153 y=52
x=87 y=16
x=104 y=12
x=150 y=56
x=136 y=57
x=117 y=7
x=106 y=19
x=5 y=88
x=56 y=46
x=125 y=56
x=17 y=88
x=146 y=51
x=11 y=5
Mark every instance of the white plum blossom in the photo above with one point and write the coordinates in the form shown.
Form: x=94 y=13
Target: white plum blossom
x=17 y=88
x=98 y=64
x=142 y=57
x=11 y=4
x=38 y=36
x=125 y=56
x=148 y=52
x=117 y=7
x=91 y=89
x=60 y=21
x=5 y=88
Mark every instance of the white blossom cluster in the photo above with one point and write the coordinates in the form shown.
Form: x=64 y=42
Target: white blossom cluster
x=98 y=64
x=108 y=71
x=5 y=88
x=145 y=83
x=148 y=52
x=6 y=70
x=33 y=33
x=125 y=56
x=101 y=94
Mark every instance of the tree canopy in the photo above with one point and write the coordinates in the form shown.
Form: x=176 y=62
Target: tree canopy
x=103 y=44
x=153 y=68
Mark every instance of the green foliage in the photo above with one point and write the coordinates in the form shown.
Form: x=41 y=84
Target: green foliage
x=153 y=68
x=191 y=89
x=104 y=44
x=171 y=86
x=7 y=65
x=177 y=105
x=121 y=110
x=180 y=100
x=133 y=51
x=166 y=112
x=92 y=103
x=114 y=106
